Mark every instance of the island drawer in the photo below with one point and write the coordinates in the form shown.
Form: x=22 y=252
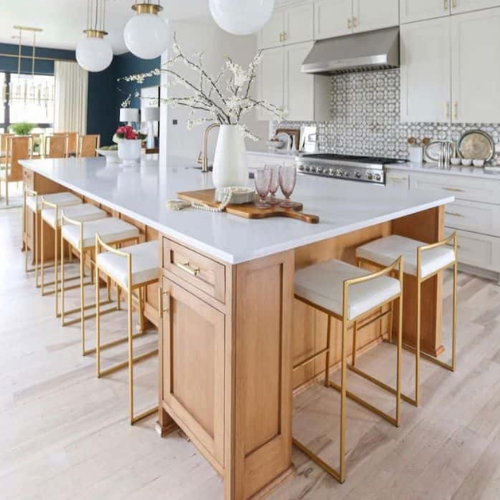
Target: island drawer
x=478 y=250
x=202 y=272
x=462 y=188
x=474 y=216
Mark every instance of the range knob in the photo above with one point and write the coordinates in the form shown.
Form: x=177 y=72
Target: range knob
x=338 y=173
x=307 y=169
x=301 y=167
x=378 y=177
x=358 y=175
x=331 y=171
x=319 y=170
x=369 y=176
x=347 y=174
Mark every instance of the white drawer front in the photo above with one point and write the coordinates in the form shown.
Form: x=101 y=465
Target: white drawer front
x=474 y=216
x=478 y=250
x=463 y=188
x=398 y=180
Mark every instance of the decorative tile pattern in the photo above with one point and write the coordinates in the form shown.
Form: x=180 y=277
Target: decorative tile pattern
x=365 y=110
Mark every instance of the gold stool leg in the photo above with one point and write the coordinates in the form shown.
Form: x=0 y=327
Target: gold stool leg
x=35 y=243
x=454 y=320
x=130 y=357
x=98 y=323
x=62 y=279
x=82 y=299
x=328 y=347
x=417 y=342
x=56 y=265
x=354 y=343
x=343 y=394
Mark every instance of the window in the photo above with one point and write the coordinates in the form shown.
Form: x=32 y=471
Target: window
x=27 y=98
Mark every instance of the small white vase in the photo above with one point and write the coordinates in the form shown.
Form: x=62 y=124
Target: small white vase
x=129 y=152
x=230 y=162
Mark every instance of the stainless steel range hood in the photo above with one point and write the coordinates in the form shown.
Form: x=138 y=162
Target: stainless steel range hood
x=373 y=50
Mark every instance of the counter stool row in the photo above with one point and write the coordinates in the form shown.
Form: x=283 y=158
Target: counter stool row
x=352 y=295
x=88 y=231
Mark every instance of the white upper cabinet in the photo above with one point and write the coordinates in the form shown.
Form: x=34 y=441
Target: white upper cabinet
x=307 y=97
x=425 y=71
x=420 y=10
x=460 y=6
x=332 y=18
x=294 y=24
x=299 y=23
x=270 y=80
x=375 y=14
x=475 y=44
x=271 y=35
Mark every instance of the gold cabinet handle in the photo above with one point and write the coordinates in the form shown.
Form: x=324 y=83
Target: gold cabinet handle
x=193 y=271
x=455 y=110
x=349 y=24
x=447 y=110
x=445 y=4
x=453 y=190
x=161 y=308
x=454 y=214
x=285 y=36
x=281 y=37
x=355 y=22
x=398 y=178
x=454 y=4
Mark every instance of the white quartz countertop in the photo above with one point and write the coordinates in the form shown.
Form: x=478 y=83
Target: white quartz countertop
x=141 y=193
x=431 y=168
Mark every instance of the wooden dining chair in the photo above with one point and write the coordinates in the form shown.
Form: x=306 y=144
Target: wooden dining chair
x=88 y=144
x=72 y=141
x=17 y=149
x=3 y=147
x=56 y=146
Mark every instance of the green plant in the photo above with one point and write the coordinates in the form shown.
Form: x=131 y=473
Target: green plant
x=22 y=128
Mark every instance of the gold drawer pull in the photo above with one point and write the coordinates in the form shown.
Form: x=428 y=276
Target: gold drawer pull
x=453 y=190
x=398 y=178
x=454 y=214
x=193 y=271
x=161 y=308
x=445 y=4
x=349 y=24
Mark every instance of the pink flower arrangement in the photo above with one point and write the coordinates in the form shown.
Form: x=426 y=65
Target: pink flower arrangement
x=128 y=133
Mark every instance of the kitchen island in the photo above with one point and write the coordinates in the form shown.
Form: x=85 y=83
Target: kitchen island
x=230 y=329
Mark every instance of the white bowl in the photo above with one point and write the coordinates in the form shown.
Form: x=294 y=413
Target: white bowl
x=478 y=163
x=110 y=155
x=456 y=161
x=466 y=162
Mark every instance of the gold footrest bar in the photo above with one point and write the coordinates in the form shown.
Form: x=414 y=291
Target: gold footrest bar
x=309 y=359
x=430 y=358
x=365 y=404
x=90 y=316
x=334 y=473
x=380 y=384
x=59 y=290
x=124 y=364
x=90 y=306
x=377 y=318
x=144 y=415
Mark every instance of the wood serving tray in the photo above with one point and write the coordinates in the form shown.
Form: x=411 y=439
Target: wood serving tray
x=249 y=210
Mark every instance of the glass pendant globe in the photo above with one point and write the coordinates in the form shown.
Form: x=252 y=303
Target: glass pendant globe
x=241 y=17
x=146 y=36
x=94 y=54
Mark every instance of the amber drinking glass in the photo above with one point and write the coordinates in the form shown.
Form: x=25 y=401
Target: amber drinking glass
x=288 y=179
x=262 y=185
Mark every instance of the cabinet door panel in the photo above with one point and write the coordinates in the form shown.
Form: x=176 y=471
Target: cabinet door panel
x=269 y=35
x=271 y=80
x=299 y=87
x=299 y=23
x=461 y=6
x=420 y=10
x=375 y=14
x=425 y=71
x=332 y=18
x=475 y=72
x=193 y=366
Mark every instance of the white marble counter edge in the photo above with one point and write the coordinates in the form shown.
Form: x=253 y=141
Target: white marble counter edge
x=241 y=258
x=475 y=172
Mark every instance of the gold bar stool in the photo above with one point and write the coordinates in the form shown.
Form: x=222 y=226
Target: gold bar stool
x=348 y=293
x=81 y=237
x=52 y=215
x=32 y=201
x=423 y=261
x=132 y=268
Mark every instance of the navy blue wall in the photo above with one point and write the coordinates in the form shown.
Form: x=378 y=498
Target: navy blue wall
x=106 y=94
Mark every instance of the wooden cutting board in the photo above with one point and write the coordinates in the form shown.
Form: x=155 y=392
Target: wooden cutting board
x=249 y=210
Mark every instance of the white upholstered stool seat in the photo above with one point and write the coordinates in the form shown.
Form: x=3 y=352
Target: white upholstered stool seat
x=110 y=230
x=145 y=264
x=84 y=212
x=61 y=199
x=385 y=250
x=322 y=284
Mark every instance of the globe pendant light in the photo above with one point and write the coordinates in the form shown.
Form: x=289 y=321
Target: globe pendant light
x=93 y=53
x=146 y=34
x=241 y=17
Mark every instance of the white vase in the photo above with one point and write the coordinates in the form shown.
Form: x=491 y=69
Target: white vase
x=230 y=162
x=129 y=152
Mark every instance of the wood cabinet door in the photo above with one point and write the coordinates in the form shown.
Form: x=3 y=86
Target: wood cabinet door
x=271 y=34
x=375 y=14
x=461 y=6
x=299 y=87
x=475 y=73
x=193 y=367
x=425 y=71
x=270 y=77
x=299 y=23
x=332 y=18
x=420 y=10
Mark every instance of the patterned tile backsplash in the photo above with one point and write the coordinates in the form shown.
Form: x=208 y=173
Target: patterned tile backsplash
x=365 y=111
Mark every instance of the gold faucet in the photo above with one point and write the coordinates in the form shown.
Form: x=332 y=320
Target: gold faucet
x=203 y=158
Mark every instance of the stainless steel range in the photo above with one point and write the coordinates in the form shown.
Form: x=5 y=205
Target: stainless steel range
x=353 y=168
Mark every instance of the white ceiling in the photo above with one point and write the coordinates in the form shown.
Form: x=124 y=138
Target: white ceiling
x=64 y=20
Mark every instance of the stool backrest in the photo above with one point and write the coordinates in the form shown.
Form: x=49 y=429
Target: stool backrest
x=3 y=142
x=72 y=141
x=88 y=145
x=18 y=148
x=56 y=146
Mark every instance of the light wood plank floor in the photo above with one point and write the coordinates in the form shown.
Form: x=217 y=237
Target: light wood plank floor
x=64 y=434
